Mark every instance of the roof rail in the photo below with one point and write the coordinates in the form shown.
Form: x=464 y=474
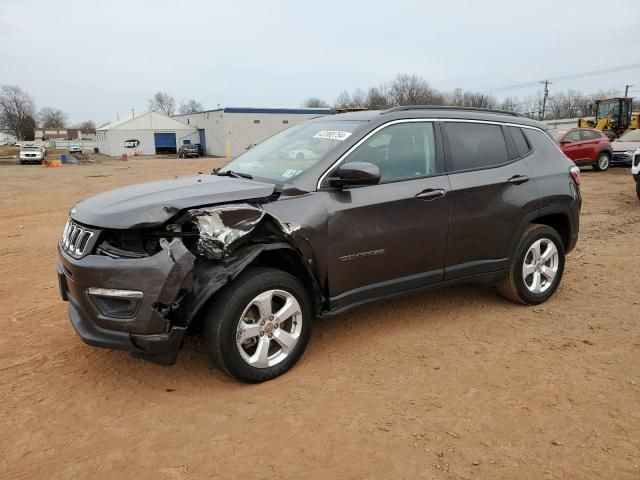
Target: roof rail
x=449 y=107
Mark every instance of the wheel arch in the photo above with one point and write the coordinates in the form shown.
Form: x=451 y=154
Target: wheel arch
x=210 y=277
x=558 y=217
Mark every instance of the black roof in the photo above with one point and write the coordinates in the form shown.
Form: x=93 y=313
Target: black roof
x=437 y=111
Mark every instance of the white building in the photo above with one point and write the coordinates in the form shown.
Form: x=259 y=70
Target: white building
x=230 y=131
x=564 y=122
x=7 y=137
x=148 y=133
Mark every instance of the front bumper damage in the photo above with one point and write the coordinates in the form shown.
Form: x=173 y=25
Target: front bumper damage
x=146 y=330
x=175 y=284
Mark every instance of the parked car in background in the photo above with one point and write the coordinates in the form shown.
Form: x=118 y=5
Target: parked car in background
x=625 y=146
x=190 y=150
x=75 y=148
x=31 y=154
x=393 y=202
x=635 y=170
x=585 y=146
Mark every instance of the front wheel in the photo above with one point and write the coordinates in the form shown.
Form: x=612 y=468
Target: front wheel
x=259 y=326
x=638 y=189
x=536 y=269
x=602 y=163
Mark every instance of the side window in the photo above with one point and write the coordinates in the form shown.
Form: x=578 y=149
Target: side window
x=402 y=151
x=573 y=136
x=475 y=145
x=522 y=145
x=589 y=135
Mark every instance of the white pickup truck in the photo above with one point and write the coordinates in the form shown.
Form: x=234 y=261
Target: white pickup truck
x=31 y=154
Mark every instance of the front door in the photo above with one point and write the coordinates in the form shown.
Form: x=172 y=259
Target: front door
x=575 y=148
x=389 y=237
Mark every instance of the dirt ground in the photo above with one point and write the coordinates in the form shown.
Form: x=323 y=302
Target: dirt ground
x=456 y=383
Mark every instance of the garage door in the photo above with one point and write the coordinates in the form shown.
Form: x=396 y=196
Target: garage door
x=165 y=142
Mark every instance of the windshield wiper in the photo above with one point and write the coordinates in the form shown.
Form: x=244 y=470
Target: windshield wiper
x=231 y=173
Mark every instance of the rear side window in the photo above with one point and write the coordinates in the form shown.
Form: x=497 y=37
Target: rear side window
x=589 y=135
x=521 y=142
x=475 y=145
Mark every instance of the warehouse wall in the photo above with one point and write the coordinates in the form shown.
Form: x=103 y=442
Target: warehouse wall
x=239 y=130
x=113 y=144
x=213 y=124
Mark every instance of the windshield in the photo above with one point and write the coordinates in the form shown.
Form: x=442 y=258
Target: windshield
x=30 y=148
x=557 y=134
x=630 y=136
x=287 y=154
x=607 y=108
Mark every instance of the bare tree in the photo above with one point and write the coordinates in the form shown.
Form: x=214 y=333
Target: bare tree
x=343 y=100
x=511 y=104
x=163 y=102
x=358 y=98
x=413 y=90
x=16 y=110
x=87 y=126
x=378 y=98
x=314 y=102
x=190 y=107
x=52 y=118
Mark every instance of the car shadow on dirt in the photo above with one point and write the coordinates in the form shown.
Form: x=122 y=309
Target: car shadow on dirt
x=359 y=328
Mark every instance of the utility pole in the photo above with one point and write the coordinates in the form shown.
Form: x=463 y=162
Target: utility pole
x=626 y=90
x=544 y=99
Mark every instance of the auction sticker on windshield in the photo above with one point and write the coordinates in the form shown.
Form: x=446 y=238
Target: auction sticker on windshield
x=333 y=135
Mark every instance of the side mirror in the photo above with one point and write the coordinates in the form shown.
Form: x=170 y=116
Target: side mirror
x=356 y=173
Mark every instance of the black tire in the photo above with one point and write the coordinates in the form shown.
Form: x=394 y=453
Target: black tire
x=222 y=318
x=638 y=189
x=513 y=286
x=21 y=162
x=602 y=163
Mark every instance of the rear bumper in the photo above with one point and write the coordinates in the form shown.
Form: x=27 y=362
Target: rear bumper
x=147 y=329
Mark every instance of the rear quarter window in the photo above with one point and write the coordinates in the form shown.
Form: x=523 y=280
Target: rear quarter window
x=520 y=140
x=475 y=145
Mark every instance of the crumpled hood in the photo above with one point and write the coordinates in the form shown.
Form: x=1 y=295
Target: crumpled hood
x=624 y=146
x=153 y=203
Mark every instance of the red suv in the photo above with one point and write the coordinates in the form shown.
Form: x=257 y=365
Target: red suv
x=585 y=146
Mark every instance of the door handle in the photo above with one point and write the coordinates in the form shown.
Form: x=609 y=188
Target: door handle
x=431 y=194
x=518 y=179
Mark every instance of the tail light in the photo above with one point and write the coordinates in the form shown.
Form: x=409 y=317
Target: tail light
x=574 y=172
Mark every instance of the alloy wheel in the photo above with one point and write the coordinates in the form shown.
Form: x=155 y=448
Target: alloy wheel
x=269 y=328
x=540 y=265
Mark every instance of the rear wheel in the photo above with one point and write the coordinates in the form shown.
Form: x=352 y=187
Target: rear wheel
x=259 y=326
x=536 y=269
x=602 y=163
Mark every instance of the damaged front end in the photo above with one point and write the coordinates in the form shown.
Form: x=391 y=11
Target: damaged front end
x=127 y=303
x=221 y=229
x=140 y=289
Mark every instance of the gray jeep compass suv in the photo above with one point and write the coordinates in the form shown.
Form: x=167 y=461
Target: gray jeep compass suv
x=328 y=214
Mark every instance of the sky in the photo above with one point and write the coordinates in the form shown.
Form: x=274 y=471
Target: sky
x=99 y=59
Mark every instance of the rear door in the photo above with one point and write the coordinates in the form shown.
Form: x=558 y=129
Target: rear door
x=492 y=190
x=590 y=144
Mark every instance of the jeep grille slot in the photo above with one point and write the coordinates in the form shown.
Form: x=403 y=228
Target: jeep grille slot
x=75 y=239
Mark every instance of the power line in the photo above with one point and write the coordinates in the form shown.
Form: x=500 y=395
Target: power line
x=569 y=77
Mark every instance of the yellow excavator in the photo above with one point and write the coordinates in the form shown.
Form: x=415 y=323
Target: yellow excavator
x=613 y=116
